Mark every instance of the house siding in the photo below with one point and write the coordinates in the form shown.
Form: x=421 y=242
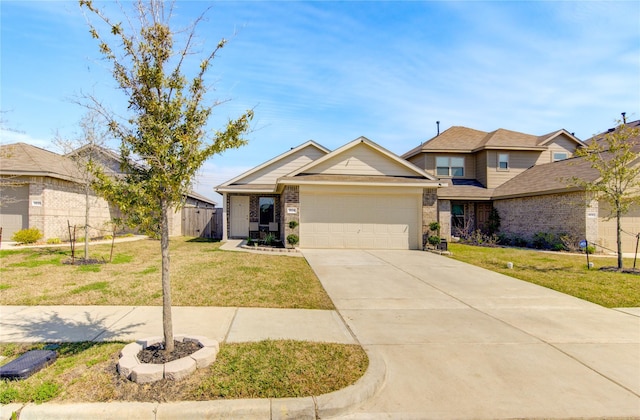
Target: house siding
x=290 y=199
x=607 y=229
x=519 y=161
x=469 y=164
x=362 y=160
x=429 y=211
x=571 y=213
x=63 y=203
x=271 y=173
x=481 y=167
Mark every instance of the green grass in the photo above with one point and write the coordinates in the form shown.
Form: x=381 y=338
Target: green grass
x=559 y=271
x=201 y=275
x=86 y=372
x=97 y=286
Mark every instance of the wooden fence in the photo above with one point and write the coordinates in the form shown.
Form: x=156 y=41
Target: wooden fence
x=201 y=222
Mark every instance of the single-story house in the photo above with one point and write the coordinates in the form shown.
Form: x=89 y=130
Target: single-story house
x=357 y=196
x=45 y=190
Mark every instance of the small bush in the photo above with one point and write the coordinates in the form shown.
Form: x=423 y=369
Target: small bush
x=433 y=240
x=434 y=226
x=518 y=241
x=293 y=224
x=27 y=236
x=293 y=239
x=106 y=237
x=590 y=249
x=53 y=241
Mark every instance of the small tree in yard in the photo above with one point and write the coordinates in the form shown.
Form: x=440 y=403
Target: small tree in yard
x=86 y=147
x=164 y=142
x=616 y=157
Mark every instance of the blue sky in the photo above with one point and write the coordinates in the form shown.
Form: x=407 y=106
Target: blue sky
x=333 y=71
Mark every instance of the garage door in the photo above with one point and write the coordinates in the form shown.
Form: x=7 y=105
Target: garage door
x=607 y=230
x=360 y=221
x=14 y=213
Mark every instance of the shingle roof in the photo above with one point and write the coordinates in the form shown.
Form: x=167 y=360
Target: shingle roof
x=25 y=159
x=466 y=140
x=547 y=178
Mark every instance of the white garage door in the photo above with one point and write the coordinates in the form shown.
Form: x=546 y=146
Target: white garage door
x=14 y=213
x=607 y=230
x=360 y=221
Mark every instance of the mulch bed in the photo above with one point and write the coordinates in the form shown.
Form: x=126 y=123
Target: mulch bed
x=83 y=261
x=635 y=271
x=156 y=353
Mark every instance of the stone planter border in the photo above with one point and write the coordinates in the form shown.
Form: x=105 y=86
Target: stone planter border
x=131 y=368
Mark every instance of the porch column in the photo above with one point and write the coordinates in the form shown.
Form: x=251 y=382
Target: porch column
x=225 y=215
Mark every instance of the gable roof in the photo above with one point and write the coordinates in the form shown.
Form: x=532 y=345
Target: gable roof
x=357 y=163
x=21 y=159
x=405 y=166
x=247 y=180
x=467 y=140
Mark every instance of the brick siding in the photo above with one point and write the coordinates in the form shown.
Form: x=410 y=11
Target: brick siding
x=570 y=213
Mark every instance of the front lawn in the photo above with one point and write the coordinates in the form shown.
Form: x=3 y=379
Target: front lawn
x=85 y=372
x=559 y=271
x=201 y=275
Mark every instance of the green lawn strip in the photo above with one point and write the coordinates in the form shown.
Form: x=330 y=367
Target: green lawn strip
x=559 y=271
x=201 y=275
x=86 y=372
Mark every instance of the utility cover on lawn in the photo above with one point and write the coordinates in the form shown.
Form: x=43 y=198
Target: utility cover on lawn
x=28 y=364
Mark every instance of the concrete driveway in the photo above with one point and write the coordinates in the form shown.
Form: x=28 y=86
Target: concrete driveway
x=463 y=342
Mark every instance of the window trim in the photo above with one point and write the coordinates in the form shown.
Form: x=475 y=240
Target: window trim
x=554 y=159
x=450 y=168
x=260 y=211
x=499 y=162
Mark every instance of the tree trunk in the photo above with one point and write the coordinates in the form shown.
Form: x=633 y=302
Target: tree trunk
x=167 y=323
x=86 y=220
x=619 y=236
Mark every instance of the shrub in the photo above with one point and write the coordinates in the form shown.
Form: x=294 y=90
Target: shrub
x=293 y=224
x=106 y=237
x=53 y=241
x=590 y=249
x=269 y=239
x=518 y=241
x=493 y=225
x=27 y=236
x=434 y=226
x=433 y=240
x=293 y=239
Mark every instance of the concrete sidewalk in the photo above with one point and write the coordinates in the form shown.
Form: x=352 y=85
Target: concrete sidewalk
x=463 y=342
x=128 y=323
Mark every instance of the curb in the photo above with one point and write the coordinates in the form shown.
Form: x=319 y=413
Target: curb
x=323 y=406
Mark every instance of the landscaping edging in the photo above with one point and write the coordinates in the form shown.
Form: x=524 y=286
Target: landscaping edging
x=131 y=368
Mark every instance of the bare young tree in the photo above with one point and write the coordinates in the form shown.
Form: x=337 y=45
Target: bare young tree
x=84 y=151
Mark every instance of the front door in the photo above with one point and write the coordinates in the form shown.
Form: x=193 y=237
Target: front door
x=239 y=215
x=483 y=212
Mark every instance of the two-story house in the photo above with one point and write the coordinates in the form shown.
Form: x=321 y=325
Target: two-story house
x=475 y=163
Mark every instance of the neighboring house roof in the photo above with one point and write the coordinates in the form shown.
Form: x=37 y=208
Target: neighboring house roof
x=21 y=159
x=200 y=197
x=548 y=178
x=467 y=140
x=465 y=189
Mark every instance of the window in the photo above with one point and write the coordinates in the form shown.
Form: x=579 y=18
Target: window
x=449 y=166
x=560 y=156
x=457 y=216
x=267 y=210
x=503 y=161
